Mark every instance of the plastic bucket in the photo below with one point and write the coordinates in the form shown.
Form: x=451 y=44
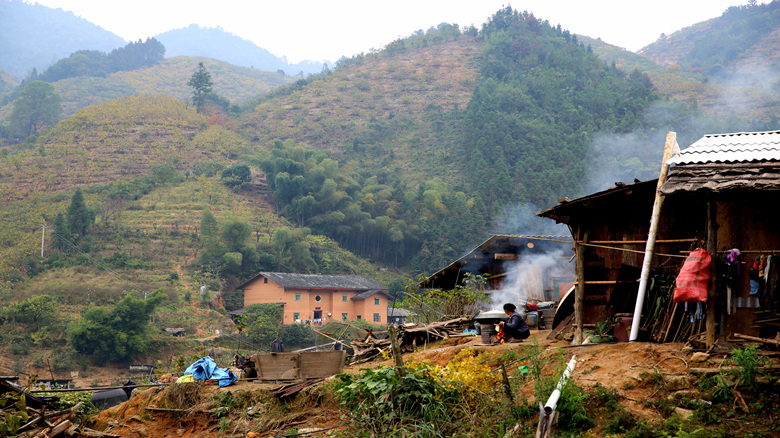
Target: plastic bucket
x=531 y=319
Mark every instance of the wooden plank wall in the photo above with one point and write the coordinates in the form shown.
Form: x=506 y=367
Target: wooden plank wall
x=629 y=220
x=750 y=223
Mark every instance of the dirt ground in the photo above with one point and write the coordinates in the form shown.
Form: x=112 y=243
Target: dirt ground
x=613 y=365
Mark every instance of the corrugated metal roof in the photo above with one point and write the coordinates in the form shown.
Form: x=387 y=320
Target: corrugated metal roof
x=740 y=147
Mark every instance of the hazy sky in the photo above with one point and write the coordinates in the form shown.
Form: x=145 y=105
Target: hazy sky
x=329 y=29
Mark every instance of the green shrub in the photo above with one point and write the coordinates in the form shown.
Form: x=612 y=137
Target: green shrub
x=37 y=311
x=297 y=335
x=620 y=422
x=573 y=413
x=748 y=361
x=118 y=333
x=384 y=402
x=654 y=379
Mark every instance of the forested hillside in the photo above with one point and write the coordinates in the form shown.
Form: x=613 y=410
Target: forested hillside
x=120 y=151
x=436 y=136
x=7 y=81
x=56 y=33
x=714 y=47
x=167 y=77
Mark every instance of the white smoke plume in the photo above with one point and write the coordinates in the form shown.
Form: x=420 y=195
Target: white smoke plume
x=525 y=279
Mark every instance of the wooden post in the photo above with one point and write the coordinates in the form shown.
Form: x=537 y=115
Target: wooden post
x=507 y=386
x=399 y=360
x=579 y=292
x=712 y=248
x=670 y=148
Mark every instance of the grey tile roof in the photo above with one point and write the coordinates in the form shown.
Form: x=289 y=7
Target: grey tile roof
x=398 y=311
x=368 y=293
x=736 y=147
x=316 y=281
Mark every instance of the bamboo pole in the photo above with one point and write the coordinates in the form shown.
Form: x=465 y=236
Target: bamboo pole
x=670 y=148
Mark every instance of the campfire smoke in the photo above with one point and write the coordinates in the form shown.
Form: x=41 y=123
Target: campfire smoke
x=526 y=279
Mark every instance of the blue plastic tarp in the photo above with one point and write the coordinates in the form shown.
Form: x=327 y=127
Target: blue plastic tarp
x=205 y=368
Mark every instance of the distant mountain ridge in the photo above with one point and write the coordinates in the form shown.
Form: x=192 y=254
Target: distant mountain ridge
x=34 y=36
x=216 y=43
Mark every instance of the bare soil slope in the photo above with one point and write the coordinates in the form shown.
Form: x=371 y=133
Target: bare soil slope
x=195 y=411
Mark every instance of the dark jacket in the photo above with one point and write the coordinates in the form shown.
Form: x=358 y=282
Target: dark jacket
x=516 y=327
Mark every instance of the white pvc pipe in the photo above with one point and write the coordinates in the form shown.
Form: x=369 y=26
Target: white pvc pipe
x=552 y=402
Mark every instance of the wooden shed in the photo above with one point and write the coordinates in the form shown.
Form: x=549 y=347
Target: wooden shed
x=540 y=265
x=721 y=193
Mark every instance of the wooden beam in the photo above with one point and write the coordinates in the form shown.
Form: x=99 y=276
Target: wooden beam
x=712 y=247
x=638 y=242
x=753 y=338
x=579 y=291
x=606 y=281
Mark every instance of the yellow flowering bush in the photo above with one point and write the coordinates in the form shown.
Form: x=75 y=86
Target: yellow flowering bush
x=466 y=371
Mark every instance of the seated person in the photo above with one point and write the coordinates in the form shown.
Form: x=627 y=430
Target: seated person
x=515 y=326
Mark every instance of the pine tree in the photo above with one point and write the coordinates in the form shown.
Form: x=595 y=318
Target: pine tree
x=79 y=216
x=201 y=84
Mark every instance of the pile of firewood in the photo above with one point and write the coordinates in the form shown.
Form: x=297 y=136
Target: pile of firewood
x=38 y=422
x=410 y=336
x=50 y=424
x=44 y=424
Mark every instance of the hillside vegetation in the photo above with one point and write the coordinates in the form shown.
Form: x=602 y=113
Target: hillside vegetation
x=715 y=46
x=150 y=169
x=733 y=57
x=443 y=131
x=8 y=82
x=168 y=77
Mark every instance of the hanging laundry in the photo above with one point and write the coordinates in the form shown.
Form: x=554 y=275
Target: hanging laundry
x=771 y=291
x=733 y=256
x=729 y=272
x=756 y=278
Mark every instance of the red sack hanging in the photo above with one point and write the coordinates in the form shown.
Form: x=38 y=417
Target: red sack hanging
x=694 y=277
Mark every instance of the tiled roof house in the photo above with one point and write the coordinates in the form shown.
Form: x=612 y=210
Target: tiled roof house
x=318 y=299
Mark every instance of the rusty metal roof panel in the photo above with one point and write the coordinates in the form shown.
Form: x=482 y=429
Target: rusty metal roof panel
x=740 y=147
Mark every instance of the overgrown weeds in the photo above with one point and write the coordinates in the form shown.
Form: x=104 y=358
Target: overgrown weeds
x=182 y=396
x=748 y=363
x=390 y=402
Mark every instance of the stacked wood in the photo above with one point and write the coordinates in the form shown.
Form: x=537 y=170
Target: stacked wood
x=410 y=336
x=293 y=388
x=368 y=348
x=766 y=319
x=49 y=424
x=775 y=341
